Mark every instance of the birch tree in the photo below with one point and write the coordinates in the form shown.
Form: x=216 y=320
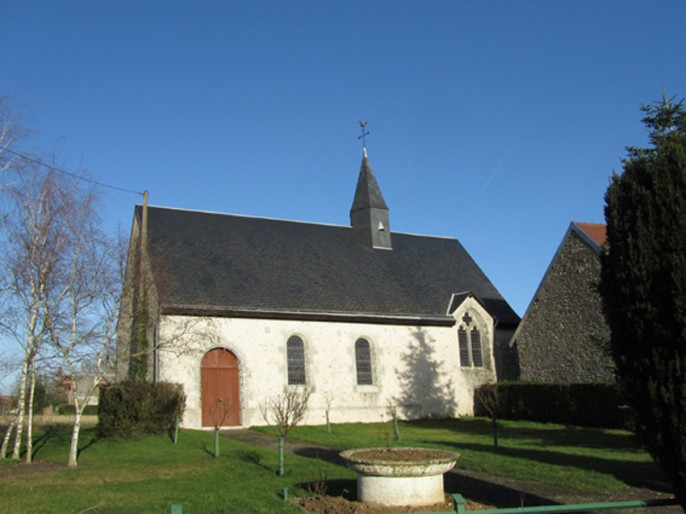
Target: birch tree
x=10 y=131
x=63 y=283
x=34 y=239
x=80 y=317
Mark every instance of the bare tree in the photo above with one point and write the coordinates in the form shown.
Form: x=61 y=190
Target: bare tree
x=62 y=282
x=284 y=412
x=488 y=397
x=328 y=401
x=393 y=411
x=81 y=319
x=10 y=131
x=219 y=410
x=6 y=439
x=34 y=240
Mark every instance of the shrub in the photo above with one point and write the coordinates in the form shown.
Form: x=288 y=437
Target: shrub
x=132 y=409
x=588 y=405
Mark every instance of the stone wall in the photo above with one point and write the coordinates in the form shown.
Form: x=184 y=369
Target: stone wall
x=415 y=368
x=560 y=337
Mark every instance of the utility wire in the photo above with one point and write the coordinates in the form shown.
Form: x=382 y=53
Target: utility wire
x=79 y=177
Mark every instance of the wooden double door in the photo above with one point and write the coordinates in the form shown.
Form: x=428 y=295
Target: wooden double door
x=220 y=390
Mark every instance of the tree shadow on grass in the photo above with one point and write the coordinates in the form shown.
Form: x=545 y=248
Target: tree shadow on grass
x=205 y=448
x=50 y=433
x=491 y=493
x=83 y=448
x=251 y=457
x=326 y=454
x=544 y=434
x=634 y=474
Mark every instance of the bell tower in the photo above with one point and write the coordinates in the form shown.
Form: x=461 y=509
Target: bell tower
x=369 y=212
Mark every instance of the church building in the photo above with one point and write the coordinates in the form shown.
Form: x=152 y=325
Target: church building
x=239 y=310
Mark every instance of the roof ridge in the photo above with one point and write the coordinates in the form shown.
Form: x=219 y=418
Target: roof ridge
x=594 y=233
x=246 y=216
x=589 y=223
x=268 y=218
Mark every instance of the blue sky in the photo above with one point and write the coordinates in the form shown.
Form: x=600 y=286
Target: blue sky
x=495 y=122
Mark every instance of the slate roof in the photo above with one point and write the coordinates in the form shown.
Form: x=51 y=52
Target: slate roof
x=367 y=193
x=237 y=265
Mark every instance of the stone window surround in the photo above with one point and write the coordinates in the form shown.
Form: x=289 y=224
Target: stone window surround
x=296 y=343
x=360 y=342
x=475 y=321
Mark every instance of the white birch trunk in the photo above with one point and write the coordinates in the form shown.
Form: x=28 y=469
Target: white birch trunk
x=29 y=412
x=74 y=446
x=29 y=356
x=21 y=407
x=6 y=439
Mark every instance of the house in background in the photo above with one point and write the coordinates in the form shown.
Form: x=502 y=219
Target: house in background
x=561 y=335
x=80 y=385
x=6 y=405
x=242 y=309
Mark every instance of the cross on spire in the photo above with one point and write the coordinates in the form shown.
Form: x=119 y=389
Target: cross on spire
x=365 y=133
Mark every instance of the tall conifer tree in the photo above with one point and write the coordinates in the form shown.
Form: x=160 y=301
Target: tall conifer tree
x=644 y=286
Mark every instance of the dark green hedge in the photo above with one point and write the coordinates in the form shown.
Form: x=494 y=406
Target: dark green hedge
x=70 y=410
x=587 y=405
x=132 y=409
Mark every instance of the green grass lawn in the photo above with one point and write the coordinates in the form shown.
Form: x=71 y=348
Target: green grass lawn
x=148 y=475
x=604 y=461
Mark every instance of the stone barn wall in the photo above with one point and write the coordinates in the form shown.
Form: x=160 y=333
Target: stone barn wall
x=560 y=337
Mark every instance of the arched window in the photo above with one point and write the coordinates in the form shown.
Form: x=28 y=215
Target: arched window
x=363 y=362
x=469 y=341
x=477 y=359
x=464 y=346
x=295 y=353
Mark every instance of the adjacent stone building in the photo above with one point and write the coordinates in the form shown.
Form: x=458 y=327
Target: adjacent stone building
x=561 y=335
x=241 y=309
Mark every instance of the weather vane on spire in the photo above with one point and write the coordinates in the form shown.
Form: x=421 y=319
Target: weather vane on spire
x=365 y=133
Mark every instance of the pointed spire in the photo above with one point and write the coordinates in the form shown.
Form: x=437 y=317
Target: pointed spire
x=369 y=212
x=368 y=193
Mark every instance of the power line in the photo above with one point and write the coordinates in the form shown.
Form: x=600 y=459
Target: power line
x=64 y=172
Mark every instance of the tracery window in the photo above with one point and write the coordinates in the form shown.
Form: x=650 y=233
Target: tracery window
x=469 y=341
x=295 y=354
x=363 y=362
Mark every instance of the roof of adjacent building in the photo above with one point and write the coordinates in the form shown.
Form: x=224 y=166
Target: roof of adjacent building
x=596 y=232
x=235 y=265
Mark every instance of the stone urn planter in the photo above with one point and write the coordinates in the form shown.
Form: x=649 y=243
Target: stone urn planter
x=400 y=476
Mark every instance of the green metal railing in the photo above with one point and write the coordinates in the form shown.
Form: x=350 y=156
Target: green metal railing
x=536 y=509
x=561 y=509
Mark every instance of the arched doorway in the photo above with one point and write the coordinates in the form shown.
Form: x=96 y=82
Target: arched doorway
x=220 y=389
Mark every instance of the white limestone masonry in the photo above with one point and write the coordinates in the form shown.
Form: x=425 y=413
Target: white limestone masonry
x=415 y=369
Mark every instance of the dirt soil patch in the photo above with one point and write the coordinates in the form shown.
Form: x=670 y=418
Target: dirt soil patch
x=340 y=505
x=400 y=455
x=15 y=469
